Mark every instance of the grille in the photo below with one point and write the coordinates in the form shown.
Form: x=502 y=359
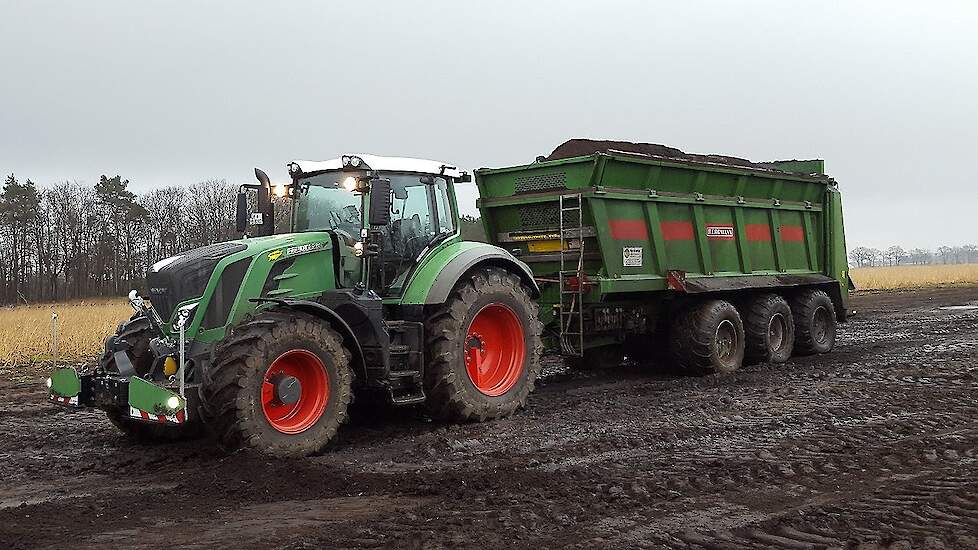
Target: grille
x=186 y=277
x=540 y=216
x=541 y=182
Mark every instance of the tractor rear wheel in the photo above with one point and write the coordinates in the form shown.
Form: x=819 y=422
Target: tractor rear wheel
x=483 y=348
x=815 y=323
x=137 y=332
x=708 y=338
x=280 y=383
x=769 y=328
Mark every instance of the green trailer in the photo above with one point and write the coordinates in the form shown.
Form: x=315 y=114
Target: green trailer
x=707 y=253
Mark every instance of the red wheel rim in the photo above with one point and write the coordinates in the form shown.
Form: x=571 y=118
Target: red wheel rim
x=309 y=370
x=494 y=350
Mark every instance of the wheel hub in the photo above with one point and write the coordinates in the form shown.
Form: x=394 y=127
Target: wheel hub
x=286 y=389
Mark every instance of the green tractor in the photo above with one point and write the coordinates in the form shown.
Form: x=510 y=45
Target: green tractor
x=266 y=340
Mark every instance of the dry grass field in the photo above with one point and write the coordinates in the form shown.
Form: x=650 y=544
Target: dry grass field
x=25 y=331
x=914 y=276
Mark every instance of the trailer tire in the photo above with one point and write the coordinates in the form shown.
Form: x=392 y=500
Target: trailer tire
x=815 y=323
x=238 y=399
x=597 y=358
x=769 y=330
x=489 y=316
x=137 y=332
x=709 y=338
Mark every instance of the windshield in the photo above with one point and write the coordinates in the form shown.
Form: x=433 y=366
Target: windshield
x=327 y=205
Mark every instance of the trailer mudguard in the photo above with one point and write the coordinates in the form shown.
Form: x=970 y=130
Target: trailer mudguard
x=435 y=278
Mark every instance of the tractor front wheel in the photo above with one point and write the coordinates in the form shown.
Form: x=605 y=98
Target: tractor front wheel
x=280 y=384
x=483 y=348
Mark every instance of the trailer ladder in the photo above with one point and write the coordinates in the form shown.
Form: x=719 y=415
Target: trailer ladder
x=571 y=279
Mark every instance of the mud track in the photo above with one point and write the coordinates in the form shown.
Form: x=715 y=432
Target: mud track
x=872 y=446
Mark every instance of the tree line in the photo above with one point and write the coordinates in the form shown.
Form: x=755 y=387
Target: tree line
x=895 y=255
x=76 y=241
x=72 y=241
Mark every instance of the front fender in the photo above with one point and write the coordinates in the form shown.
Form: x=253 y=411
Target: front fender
x=435 y=278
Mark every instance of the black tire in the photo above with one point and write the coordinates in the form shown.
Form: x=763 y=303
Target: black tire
x=137 y=332
x=451 y=392
x=815 y=323
x=597 y=358
x=708 y=337
x=769 y=330
x=231 y=392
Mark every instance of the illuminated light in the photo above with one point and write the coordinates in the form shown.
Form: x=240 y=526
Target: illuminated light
x=355 y=161
x=48 y=381
x=173 y=402
x=358 y=248
x=350 y=183
x=280 y=190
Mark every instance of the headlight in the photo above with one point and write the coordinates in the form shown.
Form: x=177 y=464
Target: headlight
x=358 y=248
x=350 y=184
x=280 y=190
x=48 y=383
x=184 y=314
x=173 y=402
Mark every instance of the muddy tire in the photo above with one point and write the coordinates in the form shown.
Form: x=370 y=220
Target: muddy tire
x=483 y=348
x=137 y=332
x=708 y=337
x=815 y=323
x=769 y=330
x=280 y=383
x=597 y=358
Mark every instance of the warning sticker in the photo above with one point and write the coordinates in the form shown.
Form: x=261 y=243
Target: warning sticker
x=631 y=256
x=716 y=231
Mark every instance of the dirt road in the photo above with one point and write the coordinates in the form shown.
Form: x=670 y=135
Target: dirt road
x=872 y=446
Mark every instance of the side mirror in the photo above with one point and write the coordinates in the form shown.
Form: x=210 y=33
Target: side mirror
x=464 y=178
x=380 y=202
x=241 y=214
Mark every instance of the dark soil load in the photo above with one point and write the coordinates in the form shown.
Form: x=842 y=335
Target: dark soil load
x=872 y=446
x=582 y=147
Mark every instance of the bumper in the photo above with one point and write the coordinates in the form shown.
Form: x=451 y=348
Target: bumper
x=134 y=397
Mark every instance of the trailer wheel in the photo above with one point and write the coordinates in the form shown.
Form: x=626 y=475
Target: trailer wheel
x=137 y=332
x=597 y=358
x=815 y=324
x=280 y=384
x=709 y=337
x=483 y=348
x=769 y=329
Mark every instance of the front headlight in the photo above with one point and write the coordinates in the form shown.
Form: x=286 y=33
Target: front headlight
x=358 y=248
x=173 y=402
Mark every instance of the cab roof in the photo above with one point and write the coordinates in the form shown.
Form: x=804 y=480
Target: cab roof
x=375 y=162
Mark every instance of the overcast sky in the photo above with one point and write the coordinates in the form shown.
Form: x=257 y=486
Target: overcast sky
x=177 y=92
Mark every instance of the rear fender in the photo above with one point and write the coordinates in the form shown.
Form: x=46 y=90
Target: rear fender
x=438 y=274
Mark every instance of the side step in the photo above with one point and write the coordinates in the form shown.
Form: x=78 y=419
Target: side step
x=406 y=388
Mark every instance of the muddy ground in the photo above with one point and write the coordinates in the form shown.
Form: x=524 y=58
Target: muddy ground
x=874 y=445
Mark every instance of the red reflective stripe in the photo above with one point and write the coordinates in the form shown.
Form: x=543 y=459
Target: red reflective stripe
x=758 y=232
x=181 y=416
x=792 y=233
x=144 y=414
x=161 y=418
x=677 y=231
x=628 y=230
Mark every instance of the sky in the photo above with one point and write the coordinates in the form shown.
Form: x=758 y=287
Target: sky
x=167 y=93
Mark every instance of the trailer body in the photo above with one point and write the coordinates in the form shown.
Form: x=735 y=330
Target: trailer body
x=655 y=229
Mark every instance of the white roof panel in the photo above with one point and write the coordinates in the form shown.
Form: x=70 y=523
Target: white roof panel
x=383 y=164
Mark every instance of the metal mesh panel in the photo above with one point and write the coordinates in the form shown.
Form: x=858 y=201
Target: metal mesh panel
x=541 y=215
x=541 y=182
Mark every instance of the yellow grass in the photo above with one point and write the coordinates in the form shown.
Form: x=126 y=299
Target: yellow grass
x=25 y=331
x=914 y=276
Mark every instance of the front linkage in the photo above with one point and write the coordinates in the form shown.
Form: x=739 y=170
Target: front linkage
x=116 y=386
